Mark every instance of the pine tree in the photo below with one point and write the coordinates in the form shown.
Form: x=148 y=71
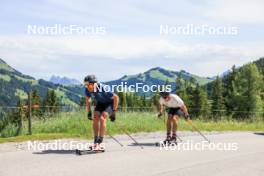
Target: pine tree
x=181 y=91
x=50 y=102
x=230 y=90
x=19 y=117
x=178 y=83
x=123 y=100
x=218 y=99
x=193 y=80
x=248 y=87
x=53 y=101
x=46 y=102
x=200 y=102
x=129 y=100
x=144 y=101
x=155 y=100
x=35 y=103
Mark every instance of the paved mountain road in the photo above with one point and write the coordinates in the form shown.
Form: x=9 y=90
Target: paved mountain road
x=247 y=160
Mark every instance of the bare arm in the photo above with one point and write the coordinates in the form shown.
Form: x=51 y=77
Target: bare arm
x=161 y=108
x=115 y=102
x=88 y=103
x=185 y=111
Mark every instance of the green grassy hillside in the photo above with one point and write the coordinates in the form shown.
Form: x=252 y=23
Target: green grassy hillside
x=160 y=76
x=15 y=84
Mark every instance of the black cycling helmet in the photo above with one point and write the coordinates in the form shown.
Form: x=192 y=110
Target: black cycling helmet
x=90 y=79
x=164 y=94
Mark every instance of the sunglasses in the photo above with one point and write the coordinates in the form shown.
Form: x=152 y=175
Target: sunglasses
x=88 y=83
x=166 y=96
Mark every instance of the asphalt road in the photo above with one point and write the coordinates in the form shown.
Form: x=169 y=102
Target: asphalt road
x=245 y=157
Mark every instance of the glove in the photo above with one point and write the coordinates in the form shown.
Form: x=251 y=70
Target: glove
x=113 y=116
x=159 y=114
x=89 y=115
x=187 y=117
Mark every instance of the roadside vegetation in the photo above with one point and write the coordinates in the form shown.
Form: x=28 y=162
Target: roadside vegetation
x=76 y=125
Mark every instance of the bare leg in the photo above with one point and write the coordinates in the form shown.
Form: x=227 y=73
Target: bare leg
x=174 y=126
x=96 y=124
x=103 y=124
x=169 y=125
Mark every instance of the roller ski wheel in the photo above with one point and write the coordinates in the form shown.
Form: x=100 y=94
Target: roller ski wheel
x=173 y=141
x=95 y=148
x=86 y=152
x=166 y=142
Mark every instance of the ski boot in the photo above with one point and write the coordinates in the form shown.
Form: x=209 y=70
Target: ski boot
x=173 y=140
x=167 y=141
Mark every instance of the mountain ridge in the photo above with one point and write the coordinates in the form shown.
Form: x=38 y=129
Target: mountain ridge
x=159 y=76
x=64 y=80
x=15 y=85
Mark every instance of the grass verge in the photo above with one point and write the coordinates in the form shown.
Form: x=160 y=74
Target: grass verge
x=75 y=125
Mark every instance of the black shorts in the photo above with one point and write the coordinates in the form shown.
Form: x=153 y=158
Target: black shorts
x=175 y=111
x=104 y=107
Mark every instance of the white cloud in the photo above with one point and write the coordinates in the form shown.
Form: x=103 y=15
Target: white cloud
x=236 y=11
x=74 y=56
x=121 y=47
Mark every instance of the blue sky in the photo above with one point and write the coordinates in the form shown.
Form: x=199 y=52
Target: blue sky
x=132 y=42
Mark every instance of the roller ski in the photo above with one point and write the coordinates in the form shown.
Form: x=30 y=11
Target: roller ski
x=167 y=142
x=173 y=140
x=93 y=149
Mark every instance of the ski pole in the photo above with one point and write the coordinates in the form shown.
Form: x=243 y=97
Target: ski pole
x=196 y=129
x=179 y=138
x=115 y=139
x=133 y=139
